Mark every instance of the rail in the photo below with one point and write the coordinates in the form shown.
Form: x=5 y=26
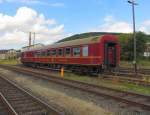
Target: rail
x=130 y=98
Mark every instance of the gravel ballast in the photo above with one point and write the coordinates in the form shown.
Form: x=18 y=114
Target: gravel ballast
x=72 y=101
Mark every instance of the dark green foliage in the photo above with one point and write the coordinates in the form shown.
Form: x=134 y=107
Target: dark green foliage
x=127 y=45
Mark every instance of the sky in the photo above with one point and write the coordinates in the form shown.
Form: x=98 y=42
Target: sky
x=52 y=20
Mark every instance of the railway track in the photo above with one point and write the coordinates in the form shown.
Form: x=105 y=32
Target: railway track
x=125 y=77
x=121 y=77
x=5 y=108
x=143 y=81
x=17 y=101
x=129 y=98
x=131 y=70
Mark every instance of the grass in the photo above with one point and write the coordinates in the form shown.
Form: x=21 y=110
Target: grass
x=10 y=62
x=132 y=87
x=126 y=64
x=141 y=63
x=144 y=63
x=108 y=83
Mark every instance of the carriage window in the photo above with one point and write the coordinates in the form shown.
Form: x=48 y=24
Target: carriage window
x=43 y=53
x=68 y=51
x=53 y=52
x=33 y=54
x=37 y=54
x=48 y=52
x=76 y=51
x=85 y=51
x=60 y=52
x=22 y=54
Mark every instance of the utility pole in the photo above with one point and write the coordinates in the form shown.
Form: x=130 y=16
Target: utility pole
x=132 y=2
x=33 y=38
x=29 y=38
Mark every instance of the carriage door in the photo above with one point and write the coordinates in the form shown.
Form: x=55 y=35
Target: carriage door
x=110 y=54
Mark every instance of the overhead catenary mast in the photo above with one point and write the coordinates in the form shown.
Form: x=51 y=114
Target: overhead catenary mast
x=30 y=38
x=33 y=38
x=133 y=3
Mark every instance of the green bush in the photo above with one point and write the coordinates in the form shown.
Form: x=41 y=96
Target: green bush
x=127 y=45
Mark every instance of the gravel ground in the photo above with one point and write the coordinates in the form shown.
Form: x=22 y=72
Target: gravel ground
x=72 y=101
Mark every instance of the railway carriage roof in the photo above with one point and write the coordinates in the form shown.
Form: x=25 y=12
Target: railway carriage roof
x=89 y=40
x=76 y=42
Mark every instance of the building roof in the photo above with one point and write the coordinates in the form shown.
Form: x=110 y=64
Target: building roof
x=3 y=51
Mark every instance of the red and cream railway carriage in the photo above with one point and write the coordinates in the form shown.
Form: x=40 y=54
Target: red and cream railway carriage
x=88 y=55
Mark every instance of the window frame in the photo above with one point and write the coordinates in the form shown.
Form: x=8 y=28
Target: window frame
x=43 y=53
x=37 y=54
x=69 y=51
x=62 y=52
x=54 y=55
x=79 y=53
x=85 y=46
x=48 y=53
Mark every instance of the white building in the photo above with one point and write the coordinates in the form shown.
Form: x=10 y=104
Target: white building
x=3 y=54
x=147 y=51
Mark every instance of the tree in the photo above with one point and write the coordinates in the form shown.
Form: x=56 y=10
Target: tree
x=127 y=45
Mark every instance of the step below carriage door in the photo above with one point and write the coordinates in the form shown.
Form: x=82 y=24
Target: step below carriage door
x=110 y=54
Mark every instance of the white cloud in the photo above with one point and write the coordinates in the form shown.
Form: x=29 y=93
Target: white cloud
x=14 y=29
x=145 y=27
x=111 y=25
